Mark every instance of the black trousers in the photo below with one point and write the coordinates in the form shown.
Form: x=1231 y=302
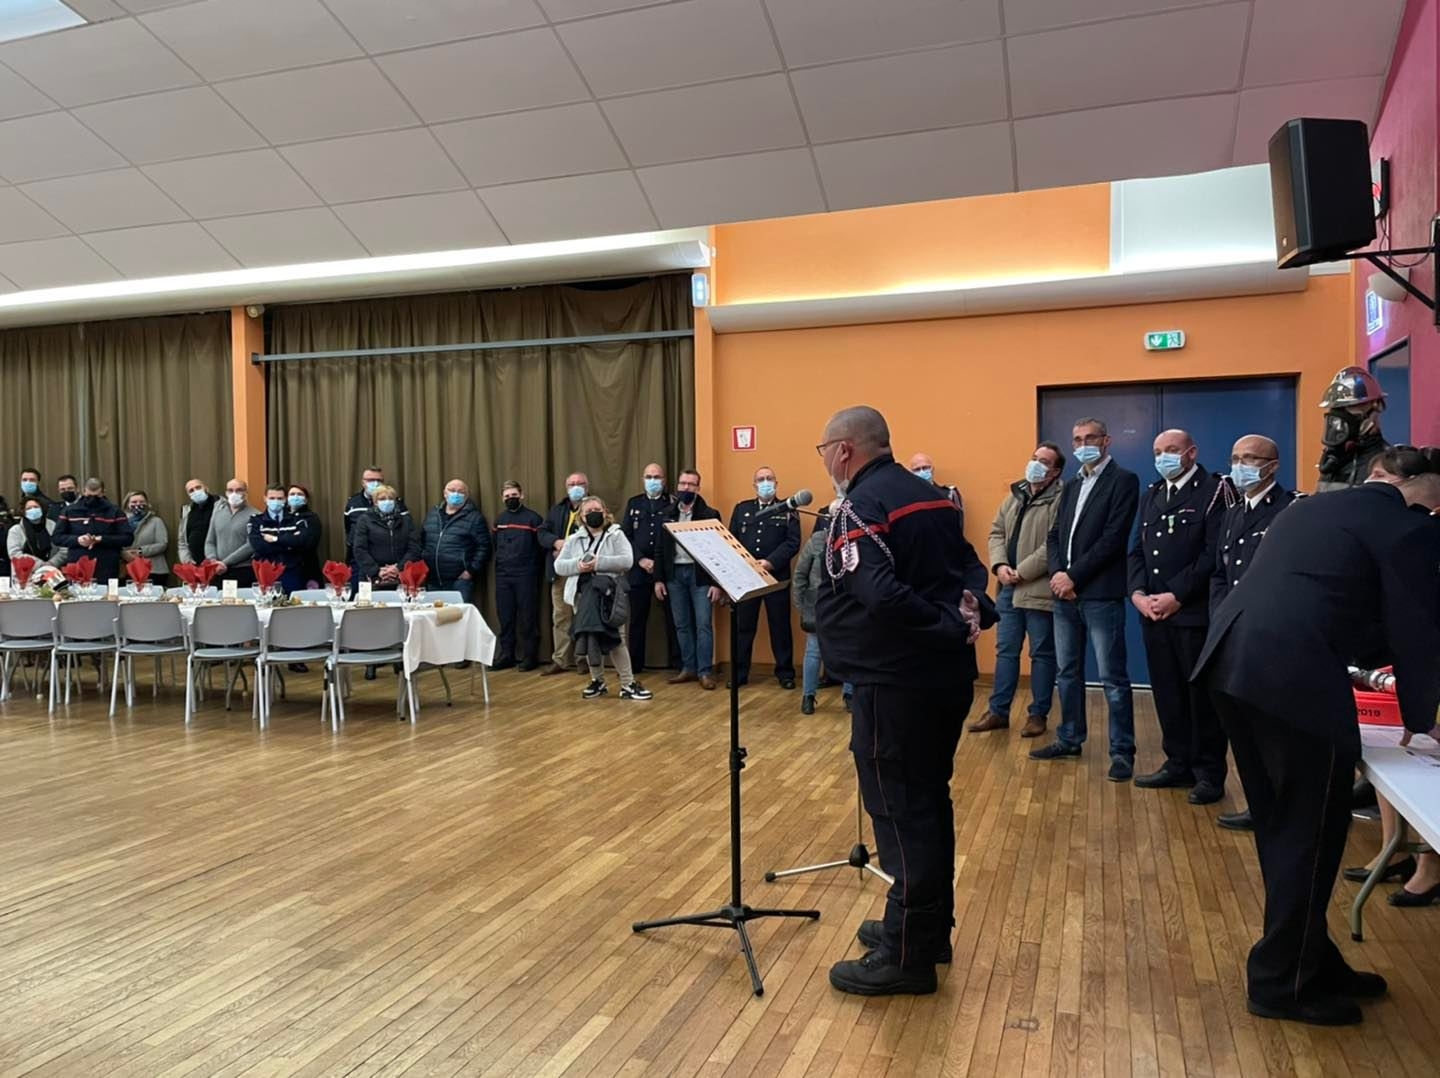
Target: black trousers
x=640 y=598
x=777 y=615
x=1298 y=787
x=1191 y=734
x=904 y=740
x=517 y=599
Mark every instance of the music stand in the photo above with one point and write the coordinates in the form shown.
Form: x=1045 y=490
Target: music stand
x=736 y=573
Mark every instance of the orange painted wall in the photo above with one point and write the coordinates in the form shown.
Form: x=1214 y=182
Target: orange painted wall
x=965 y=390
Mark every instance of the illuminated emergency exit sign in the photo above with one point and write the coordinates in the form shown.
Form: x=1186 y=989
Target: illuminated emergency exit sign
x=1167 y=340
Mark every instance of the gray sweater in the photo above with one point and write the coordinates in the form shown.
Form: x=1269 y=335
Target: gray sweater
x=229 y=537
x=152 y=540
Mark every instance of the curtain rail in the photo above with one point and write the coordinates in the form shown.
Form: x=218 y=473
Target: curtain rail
x=476 y=346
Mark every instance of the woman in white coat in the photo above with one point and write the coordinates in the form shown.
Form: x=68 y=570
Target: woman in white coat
x=32 y=536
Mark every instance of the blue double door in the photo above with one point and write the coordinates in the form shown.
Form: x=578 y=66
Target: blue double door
x=1215 y=413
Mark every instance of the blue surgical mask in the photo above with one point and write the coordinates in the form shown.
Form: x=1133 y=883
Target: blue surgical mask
x=28 y=486
x=199 y=496
x=275 y=505
x=297 y=501
x=1168 y=465
x=654 y=486
x=576 y=493
x=386 y=505
x=1244 y=476
x=455 y=498
x=34 y=514
x=927 y=474
x=1087 y=454
x=1035 y=472
x=765 y=488
x=371 y=486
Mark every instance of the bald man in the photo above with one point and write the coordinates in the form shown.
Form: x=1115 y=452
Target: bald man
x=922 y=465
x=1171 y=560
x=642 y=522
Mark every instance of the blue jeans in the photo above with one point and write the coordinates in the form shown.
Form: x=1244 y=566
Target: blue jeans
x=811 y=668
x=466 y=588
x=694 y=627
x=1015 y=626
x=1102 y=622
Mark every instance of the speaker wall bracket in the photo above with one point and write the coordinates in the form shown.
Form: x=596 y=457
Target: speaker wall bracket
x=1378 y=259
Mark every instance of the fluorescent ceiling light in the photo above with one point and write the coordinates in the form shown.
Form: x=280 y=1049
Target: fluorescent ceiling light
x=26 y=18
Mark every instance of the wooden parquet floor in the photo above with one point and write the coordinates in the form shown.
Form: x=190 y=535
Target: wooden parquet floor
x=457 y=899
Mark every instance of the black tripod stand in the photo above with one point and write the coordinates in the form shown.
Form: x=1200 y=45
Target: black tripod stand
x=736 y=914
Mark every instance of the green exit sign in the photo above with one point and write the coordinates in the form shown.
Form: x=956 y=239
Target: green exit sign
x=1165 y=341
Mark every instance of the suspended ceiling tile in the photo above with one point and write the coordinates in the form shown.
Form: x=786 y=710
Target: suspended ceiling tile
x=224 y=39
x=52 y=144
x=375 y=166
x=166 y=126
x=233 y=183
x=1265 y=109
x=523 y=70
x=707 y=121
x=284 y=239
x=96 y=10
x=140 y=7
x=53 y=264
x=819 y=33
x=19 y=98
x=918 y=167
x=23 y=219
x=940 y=88
x=533 y=145
x=1129 y=60
x=601 y=204
x=387 y=25
x=749 y=187
x=1027 y=16
x=672 y=45
x=398 y=226
x=97 y=62
x=348 y=98
x=99 y=200
x=559 y=10
x=161 y=250
x=1328 y=39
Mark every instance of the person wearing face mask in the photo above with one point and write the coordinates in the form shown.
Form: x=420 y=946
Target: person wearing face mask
x=560 y=523
x=1171 y=562
x=1086 y=558
x=386 y=540
x=593 y=563
x=1344 y=579
x=361 y=502
x=195 y=521
x=810 y=577
x=33 y=535
x=455 y=541
x=228 y=540
x=518 y=562
x=1024 y=602
x=93 y=526
x=67 y=492
x=641 y=523
x=1352 y=403
x=152 y=537
x=773 y=540
x=279 y=535
x=922 y=465
x=30 y=483
x=297 y=497
x=686 y=588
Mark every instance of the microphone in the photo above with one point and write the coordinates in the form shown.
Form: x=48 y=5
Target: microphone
x=789 y=505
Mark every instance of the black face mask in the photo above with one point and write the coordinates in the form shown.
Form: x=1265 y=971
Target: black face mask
x=69 y=496
x=686 y=497
x=512 y=504
x=594 y=519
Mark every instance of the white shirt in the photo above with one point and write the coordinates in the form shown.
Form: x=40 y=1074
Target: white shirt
x=1178 y=484
x=1252 y=500
x=1087 y=484
x=682 y=556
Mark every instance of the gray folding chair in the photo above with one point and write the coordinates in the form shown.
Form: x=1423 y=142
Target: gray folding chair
x=386 y=598
x=296 y=634
x=147 y=630
x=27 y=627
x=370 y=638
x=222 y=634
x=82 y=628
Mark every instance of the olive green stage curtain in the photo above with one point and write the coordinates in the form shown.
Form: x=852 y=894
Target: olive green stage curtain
x=530 y=414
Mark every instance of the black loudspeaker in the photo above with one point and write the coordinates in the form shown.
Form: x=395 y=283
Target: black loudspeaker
x=1321 y=189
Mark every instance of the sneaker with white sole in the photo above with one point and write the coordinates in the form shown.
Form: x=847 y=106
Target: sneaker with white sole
x=635 y=691
x=597 y=688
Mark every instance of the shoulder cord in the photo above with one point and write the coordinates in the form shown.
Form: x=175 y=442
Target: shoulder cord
x=841 y=553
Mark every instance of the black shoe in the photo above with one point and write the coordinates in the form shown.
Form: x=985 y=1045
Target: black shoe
x=504 y=664
x=869 y=934
x=369 y=673
x=807 y=704
x=1205 y=793
x=298 y=668
x=1236 y=821
x=1395 y=872
x=1168 y=777
x=787 y=683
x=1404 y=898
x=1120 y=769
x=594 y=689
x=1358 y=984
x=845 y=700
x=1322 y=1011
x=743 y=681
x=872 y=976
x=1054 y=751
x=527 y=666
x=635 y=691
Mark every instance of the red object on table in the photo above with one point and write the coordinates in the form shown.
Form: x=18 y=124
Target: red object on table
x=1378 y=708
x=207 y=571
x=81 y=571
x=267 y=573
x=413 y=576
x=336 y=574
x=22 y=566
x=138 y=570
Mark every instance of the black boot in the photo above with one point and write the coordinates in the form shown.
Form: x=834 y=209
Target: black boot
x=873 y=975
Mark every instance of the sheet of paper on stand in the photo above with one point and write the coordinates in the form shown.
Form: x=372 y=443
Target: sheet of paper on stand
x=733 y=575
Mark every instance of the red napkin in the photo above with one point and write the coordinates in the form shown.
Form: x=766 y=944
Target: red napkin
x=21 y=566
x=139 y=570
x=187 y=572
x=81 y=572
x=267 y=573
x=412 y=576
x=206 y=571
x=336 y=574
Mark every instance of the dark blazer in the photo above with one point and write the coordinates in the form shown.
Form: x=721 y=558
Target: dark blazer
x=641 y=523
x=1349 y=577
x=1241 y=530
x=1174 y=547
x=292 y=538
x=1099 y=569
x=557 y=525
x=665 y=552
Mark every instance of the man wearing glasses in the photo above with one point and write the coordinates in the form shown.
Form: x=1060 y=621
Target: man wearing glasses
x=772 y=539
x=642 y=521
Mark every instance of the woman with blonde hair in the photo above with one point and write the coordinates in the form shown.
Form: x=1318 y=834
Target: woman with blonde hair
x=593 y=561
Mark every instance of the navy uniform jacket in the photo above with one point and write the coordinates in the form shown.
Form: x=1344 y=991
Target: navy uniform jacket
x=358 y=505
x=95 y=516
x=517 y=551
x=641 y=524
x=1350 y=577
x=1099 y=569
x=292 y=543
x=1241 y=530
x=1174 y=549
x=899 y=623
x=774 y=538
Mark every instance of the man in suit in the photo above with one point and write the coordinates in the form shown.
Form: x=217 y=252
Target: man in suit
x=641 y=523
x=1349 y=577
x=1171 y=560
x=773 y=538
x=1086 y=555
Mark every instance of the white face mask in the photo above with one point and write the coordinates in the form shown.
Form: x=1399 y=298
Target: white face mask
x=235 y=498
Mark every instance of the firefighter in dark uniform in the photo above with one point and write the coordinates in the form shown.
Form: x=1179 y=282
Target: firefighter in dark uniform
x=774 y=540
x=518 y=561
x=1353 y=402
x=898 y=615
x=1347 y=578
x=641 y=522
x=360 y=503
x=1171 y=559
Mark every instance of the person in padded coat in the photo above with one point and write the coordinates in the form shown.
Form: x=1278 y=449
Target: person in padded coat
x=455 y=541
x=384 y=541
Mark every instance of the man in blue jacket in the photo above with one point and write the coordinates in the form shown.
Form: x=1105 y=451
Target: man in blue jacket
x=455 y=542
x=94 y=527
x=279 y=535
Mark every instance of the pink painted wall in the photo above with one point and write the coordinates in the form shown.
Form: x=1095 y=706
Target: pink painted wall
x=1406 y=133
